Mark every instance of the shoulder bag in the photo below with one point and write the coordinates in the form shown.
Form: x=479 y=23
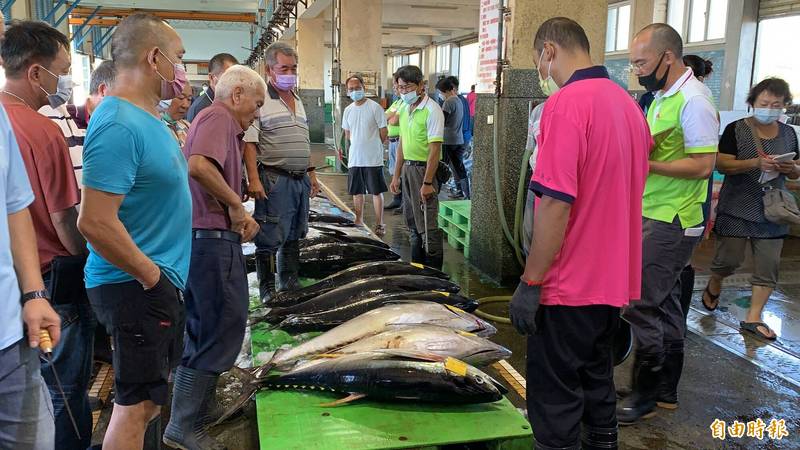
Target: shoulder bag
x=780 y=206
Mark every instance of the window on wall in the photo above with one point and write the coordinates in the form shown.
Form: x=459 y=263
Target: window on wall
x=619 y=27
x=698 y=20
x=413 y=59
x=468 y=66
x=443 y=58
x=771 y=53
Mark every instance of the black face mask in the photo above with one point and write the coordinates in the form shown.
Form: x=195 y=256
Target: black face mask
x=650 y=83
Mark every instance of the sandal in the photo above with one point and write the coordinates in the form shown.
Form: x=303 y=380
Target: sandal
x=380 y=229
x=752 y=327
x=714 y=298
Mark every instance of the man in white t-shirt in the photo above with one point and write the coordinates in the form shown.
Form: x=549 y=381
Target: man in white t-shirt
x=364 y=125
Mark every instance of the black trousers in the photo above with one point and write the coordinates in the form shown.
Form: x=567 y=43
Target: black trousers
x=570 y=374
x=454 y=156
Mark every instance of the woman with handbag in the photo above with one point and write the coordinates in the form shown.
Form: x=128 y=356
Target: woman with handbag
x=757 y=154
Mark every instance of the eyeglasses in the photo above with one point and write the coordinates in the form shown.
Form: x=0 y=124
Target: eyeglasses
x=638 y=67
x=403 y=88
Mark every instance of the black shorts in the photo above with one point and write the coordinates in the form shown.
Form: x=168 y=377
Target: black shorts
x=147 y=330
x=366 y=180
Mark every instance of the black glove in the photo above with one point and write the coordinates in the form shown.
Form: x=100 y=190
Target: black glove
x=524 y=304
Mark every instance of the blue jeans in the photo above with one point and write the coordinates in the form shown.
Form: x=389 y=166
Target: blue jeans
x=72 y=358
x=216 y=305
x=26 y=416
x=283 y=215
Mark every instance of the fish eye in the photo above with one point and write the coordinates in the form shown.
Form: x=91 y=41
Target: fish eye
x=479 y=380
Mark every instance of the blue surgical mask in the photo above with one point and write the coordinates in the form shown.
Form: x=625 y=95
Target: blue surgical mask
x=410 y=97
x=63 y=90
x=766 y=116
x=357 y=95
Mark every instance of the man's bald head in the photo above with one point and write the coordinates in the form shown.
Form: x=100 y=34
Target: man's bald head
x=136 y=35
x=660 y=37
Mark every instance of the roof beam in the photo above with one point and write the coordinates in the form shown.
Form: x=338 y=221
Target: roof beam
x=97 y=22
x=121 y=13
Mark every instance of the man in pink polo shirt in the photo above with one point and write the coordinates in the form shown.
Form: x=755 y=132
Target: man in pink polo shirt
x=585 y=259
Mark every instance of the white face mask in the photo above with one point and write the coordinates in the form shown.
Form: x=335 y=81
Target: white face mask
x=766 y=116
x=548 y=85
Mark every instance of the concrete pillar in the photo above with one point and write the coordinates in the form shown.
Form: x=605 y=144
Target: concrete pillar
x=526 y=16
x=644 y=13
x=311 y=67
x=361 y=40
x=490 y=251
x=740 y=49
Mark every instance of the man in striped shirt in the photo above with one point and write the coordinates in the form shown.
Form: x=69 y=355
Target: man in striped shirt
x=280 y=174
x=73 y=120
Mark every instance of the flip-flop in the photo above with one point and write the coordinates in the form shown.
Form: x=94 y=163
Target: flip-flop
x=714 y=298
x=752 y=327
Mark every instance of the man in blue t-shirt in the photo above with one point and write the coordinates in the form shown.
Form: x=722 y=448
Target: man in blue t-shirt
x=137 y=216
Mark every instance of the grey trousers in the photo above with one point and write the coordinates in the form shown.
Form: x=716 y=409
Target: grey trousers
x=730 y=253
x=412 y=177
x=26 y=411
x=658 y=317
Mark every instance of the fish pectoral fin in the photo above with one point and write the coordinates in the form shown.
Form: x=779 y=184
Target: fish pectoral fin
x=350 y=398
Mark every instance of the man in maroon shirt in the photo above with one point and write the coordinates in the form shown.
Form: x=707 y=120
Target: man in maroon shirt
x=37 y=63
x=216 y=292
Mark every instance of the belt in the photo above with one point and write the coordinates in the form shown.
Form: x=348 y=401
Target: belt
x=409 y=162
x=394 y=139
x=297 y=175
x=217 y=234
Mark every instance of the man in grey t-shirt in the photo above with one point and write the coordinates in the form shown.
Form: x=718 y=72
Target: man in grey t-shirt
x=453 y=147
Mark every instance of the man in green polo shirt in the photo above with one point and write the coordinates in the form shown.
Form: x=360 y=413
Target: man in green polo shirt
x=685 y=127
x=418 y=153
x=393 y=123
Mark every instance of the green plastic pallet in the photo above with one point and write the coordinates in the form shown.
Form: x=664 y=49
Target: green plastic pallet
x=330 y=161
x=456 y=211
x=294 y=420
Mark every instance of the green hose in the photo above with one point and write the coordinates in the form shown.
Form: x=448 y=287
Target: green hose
x=514 y=239
x=492 y=317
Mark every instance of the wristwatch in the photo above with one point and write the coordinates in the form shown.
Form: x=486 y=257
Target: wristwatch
x=427 y=183
x=33 y=295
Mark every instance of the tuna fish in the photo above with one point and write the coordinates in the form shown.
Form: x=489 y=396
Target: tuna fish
x=325 y=320
x=322 y=260
x=378 y=320
x=359 y=272
x=315 y=216
x=384 y=376
x=357 y=291
x=432 y=340
x=317 y=236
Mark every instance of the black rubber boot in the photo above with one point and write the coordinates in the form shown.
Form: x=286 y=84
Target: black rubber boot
x=641 y=403
x=539 y=446
x=265 y=271
x=152 y=435
x=289 y=266
x=418 y=248
x=670 y=376
x=185 y=430
x=396 y=202
x=596 y=438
